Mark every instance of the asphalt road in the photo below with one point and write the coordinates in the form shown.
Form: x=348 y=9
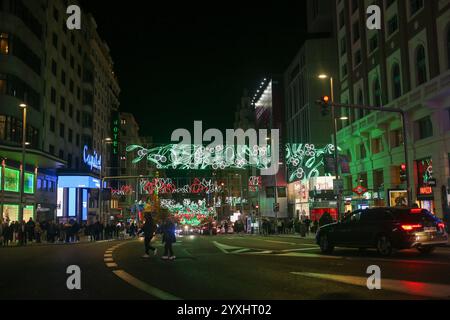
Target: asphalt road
x=220 y=267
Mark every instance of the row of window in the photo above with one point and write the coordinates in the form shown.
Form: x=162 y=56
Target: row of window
x=17 y=8
x=10 y=44
x=414 y=7
x=15 y=87
x=423 y=128
x=11 y=131
x=46 y=185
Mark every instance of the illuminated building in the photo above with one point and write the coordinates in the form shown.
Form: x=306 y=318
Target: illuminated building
x=405 y=65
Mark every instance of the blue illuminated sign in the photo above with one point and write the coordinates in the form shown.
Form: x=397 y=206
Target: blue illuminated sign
x=78 y=182
x=94 y=161
x=72 y=202
x=84 y=208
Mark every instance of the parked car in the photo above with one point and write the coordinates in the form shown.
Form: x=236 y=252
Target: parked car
x=385 y=229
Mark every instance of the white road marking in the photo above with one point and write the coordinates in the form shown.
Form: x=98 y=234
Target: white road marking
x=302 y=249
x=423 y=289
x=283 y=242
x=224 y=247
x=107 y=255
x=111 y=265
x=155 y=292
x=241 y=250
x=108 y=260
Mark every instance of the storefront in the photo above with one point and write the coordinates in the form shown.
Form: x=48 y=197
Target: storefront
x=10 y=194
x=425 y=191
x=299 y=199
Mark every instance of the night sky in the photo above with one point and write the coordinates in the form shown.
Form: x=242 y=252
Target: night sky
x=178 y=63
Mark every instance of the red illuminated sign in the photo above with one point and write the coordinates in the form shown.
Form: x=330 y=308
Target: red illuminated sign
x=360 y=190
x=426 y=190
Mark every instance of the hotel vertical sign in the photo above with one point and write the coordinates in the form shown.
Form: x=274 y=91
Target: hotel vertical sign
x=115 y=136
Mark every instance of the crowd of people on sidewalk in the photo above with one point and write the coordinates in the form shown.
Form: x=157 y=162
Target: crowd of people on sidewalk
x=304 y=226
x=25 y=233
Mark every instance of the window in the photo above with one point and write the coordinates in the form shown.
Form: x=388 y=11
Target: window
x=71 y=110
x=53 y=95
x=396 y=138
x=62 y=130
x=63 y=78
x=54 y=68
x=78 y=116
x=356 y=34
x=71 y=86
x=415 y=5
x=343 y=46
x=377 y=146
x=421 y=65
x=341 y=19
x=396 y=81
x=52 y=123
x=61 y=154
x=77 y=140
x=70 y=135
x=392 y=25
x=55 y=40
x=425 y=128
x=358 y=57
x=362 y=151
x=373 y=43
x=69 y=160
x=377 y=100
x=55 y=14
x=354 y=5
x=51 y=150
x=4 y=43
x=2 y=84
x=72 y=62
x=64 y=52
x=360 y=102
x=63 y=104
x=344 y=70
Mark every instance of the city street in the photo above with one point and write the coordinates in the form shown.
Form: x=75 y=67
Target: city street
x=220 y=267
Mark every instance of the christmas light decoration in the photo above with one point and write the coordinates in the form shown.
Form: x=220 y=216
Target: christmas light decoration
x=123 y=191
x=190 y=157
x=304 y=160
x=254 y=183
x=167 y=186
x=189 y=212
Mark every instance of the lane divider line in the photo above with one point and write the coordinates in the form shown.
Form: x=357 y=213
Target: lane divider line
x=155 y=292
x=430 y=290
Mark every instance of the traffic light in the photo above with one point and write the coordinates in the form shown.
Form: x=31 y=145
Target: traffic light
x=325 y=104
x=403 y=172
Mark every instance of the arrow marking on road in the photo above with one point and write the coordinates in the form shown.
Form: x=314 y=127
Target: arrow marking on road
x=423 y=289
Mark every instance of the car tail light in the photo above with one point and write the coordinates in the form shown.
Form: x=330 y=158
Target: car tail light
x=416 y=210
x=409 y=227
x=441 y=225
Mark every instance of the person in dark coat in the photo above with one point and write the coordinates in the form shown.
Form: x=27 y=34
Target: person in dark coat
x=168 y=238
x=149 y=232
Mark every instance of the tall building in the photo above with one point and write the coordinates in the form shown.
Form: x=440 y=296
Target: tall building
x=66 y=79
x=305 y=123
x=404 y=65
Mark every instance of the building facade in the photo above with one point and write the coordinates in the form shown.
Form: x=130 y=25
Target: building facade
x=404 y=65
x=66 y=80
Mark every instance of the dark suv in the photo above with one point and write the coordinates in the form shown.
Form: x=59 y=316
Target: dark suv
x=385 y=229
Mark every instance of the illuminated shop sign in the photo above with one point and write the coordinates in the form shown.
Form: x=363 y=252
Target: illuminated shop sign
x=12 y=180
x=93 y=161
x=426 y=190
x=78 y=182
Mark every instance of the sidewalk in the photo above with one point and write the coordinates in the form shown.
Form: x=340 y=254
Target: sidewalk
x=83 y=239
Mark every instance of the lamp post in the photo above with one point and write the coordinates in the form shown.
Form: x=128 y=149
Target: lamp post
x=100 y=197
x=23 y=106
x=336 y=160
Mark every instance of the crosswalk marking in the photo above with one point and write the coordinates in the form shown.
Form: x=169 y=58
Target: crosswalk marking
x=430 y=290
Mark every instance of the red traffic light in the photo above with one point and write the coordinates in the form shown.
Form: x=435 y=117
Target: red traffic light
x=403 y=167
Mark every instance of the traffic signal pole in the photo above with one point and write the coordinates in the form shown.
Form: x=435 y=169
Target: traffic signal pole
x=336 y=154
x=405 y=136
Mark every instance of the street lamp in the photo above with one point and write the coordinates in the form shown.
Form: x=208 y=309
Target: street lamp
x=333 y=115
x=24 y=107
x=100 y=199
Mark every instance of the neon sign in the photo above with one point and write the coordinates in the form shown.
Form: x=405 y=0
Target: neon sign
x=123 y=191
x=254 y=183
x=94 y=161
